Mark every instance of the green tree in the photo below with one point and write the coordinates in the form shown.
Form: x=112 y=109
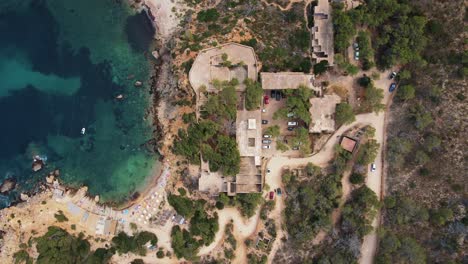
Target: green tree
x=184 y=245
x=373 y=101
x=368 y=152
x=359 y=212
x=441 y=216
x=301 y=140
x=343 y=28
x=320 y=67
x=297 y=103
x=204 y=226
x=58 y=246
x=421 y=157
x=312 y=170
x=209 y=15
x=406 y=92
x=344 y=114
x=432 y=142
x=365 y=81
x=183 y=205
x=274 y=131
x=356 y=178
x=365 y=49
x=253 y=94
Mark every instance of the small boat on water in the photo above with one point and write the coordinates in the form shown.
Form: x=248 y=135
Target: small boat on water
x=83 y=131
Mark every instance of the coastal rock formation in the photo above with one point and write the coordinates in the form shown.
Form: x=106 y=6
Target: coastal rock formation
x=155 y=54
x=50 y=179
x=7 y=185
x=24 y=197
x=37 y=165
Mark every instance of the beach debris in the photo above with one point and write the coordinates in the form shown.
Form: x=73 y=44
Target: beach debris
x=83 y=131
x=155 y=54
x=7 y=185
x=24 y=197
x=138 y=84
x=120 y=96
x=96 y=198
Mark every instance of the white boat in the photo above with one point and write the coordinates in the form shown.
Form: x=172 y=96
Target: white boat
x=83 y=131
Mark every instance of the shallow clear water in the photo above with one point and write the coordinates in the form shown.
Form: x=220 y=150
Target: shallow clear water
x=62 y=64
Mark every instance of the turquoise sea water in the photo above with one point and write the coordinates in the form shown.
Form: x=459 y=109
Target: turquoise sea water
x=62 y=65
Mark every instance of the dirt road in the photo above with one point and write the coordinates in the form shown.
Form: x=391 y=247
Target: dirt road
x=375 y=179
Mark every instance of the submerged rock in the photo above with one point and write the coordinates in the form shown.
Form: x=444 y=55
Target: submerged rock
x=7 y=185
x=120 y=96
x=37 y=165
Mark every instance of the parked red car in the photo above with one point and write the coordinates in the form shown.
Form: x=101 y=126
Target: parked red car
x=272 y=195
x=266 y=99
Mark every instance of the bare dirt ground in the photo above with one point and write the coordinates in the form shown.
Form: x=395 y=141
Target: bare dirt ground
x=242 y=230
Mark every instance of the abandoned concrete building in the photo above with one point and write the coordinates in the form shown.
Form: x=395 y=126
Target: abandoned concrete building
x=322 y=33
x=288 y=80
x=322 y=112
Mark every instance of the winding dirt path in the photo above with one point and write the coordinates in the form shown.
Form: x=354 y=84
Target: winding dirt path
x=291 y=2
x=242 y=229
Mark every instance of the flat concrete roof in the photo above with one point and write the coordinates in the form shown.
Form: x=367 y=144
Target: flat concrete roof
x=322 y=33
x=249 y=179
x=208 y=66
x=321 y=112
x=249 y=140
x=286 y=80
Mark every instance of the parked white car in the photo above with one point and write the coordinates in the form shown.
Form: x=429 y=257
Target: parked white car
x=373 y=167
x=266 y=146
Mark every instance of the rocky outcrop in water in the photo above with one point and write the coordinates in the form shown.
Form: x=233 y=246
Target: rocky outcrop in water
x=7 y=186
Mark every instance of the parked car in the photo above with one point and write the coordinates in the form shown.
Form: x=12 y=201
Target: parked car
x=272 y=195
x=373 y=167
x=355 y=45
x=268 y=170
x=266 y=99
x=263 y=110
x=295 y=148
x=267 y=136
x=356 y=55
x=292 y=123
x=264 y=122
x=272 y=93
x=266 y=141
x=392 y=87
x=278 y=96
x=266 y=146
x=392 y=75
x=278 y=191
x=290 y=128
x=290 y=115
